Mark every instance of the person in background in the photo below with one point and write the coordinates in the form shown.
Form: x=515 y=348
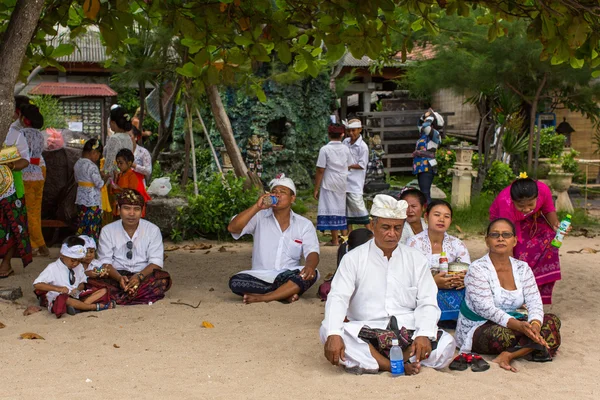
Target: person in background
x=127 y=178
x=142 y=160
x=356 y=211
x=424 y=162
x=120 y=124
x=330 y=184
x=497 y=286
x=139 y=133
x=529 y=206
x=431 y=242
x=415 y=223
x=89 y=186
x=33 y=177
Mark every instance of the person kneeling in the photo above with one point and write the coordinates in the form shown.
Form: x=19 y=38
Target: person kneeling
x=384 y=290
x=131 y=250
x=281 y=237
x=61 y=285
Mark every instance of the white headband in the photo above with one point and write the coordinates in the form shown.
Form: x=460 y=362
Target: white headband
x=353 y=125
x=282 y=180
x=78 y=252
x=89 y=242
x=385 y=206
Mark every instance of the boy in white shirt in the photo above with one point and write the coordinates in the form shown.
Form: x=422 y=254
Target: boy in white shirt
x=91 y=265
x=332 y=173
x=61 y=285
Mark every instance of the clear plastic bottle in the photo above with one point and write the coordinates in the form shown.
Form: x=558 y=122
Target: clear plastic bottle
x=396 y=359
x=270 y=201
x=443 y=265
x=562 y=231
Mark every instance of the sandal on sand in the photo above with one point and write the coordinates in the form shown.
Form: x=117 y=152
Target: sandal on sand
x=478 y=364
x=7 y=274
x=460 y=363
x=108 y=306
x=72 y=310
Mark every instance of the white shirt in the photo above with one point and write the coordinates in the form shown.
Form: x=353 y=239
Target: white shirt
x=57 y=274
x=275 y=251
x=452 y=246
x=369 y=287
x=147 y=246
x=35 y=143
x=360 y=155
x=86 y=171
x=335 y=158
x=115 y=143
x=407 y=231
x=488 y=299
x=143 y=162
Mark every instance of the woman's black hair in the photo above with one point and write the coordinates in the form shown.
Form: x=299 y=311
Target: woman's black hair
x=33 y=115
x=71 y=241
x=93 y=144
x=414 y=192
x=120 y=117
x=355 y=239
x=438 y=202
x=21 y=101
x=523 y=189
x=508 y=221
x=125 y=154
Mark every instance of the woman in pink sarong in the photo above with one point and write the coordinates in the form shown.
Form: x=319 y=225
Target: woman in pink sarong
x=528 y=204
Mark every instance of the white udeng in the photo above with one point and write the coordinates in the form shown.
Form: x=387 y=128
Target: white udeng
x=369 y=289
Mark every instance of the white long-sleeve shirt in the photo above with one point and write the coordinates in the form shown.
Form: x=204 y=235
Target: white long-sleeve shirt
x=143 y=162
x=57 y=274
x=360 y=154
x=147 y=246
x=369 y=287
x=488 y=299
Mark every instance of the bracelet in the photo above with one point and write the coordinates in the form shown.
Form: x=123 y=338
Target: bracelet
x=535 y=321
x=140 y=276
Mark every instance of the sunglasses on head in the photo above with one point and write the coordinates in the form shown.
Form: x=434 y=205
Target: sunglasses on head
x=505 y=235
x=130 y=252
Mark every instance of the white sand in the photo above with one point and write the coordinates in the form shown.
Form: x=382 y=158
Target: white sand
x=262 y=351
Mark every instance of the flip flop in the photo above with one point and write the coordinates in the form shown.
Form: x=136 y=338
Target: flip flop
x=460 y=363
x=107 y=306
x=10 y=272
x=478 y=364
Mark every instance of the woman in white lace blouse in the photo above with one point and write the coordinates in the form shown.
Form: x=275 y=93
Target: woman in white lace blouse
x=431 y=242
x=120 y=123
x=497 y=285
x=142 y=160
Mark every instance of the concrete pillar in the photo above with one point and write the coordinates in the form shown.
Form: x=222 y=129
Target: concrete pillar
x=462 y=175
x=344 y=107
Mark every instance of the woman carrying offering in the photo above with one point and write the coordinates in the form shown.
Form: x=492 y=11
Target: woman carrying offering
x=432 y=242
x=496 y=286
x=528 y=205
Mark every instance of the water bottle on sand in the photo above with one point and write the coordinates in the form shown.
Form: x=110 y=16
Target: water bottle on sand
x=396 y=359
x=562 y=232
x=270 y=201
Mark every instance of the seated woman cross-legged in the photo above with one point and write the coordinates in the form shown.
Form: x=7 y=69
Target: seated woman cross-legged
x=431 y=243
x=496 y=286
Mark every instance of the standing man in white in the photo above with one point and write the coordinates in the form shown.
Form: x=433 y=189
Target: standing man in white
x=384 y=290
x=356 y=212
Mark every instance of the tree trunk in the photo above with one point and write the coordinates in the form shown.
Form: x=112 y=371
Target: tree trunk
x=224 y=127
x=532 y=112
x=164 y=131
x=16 y=38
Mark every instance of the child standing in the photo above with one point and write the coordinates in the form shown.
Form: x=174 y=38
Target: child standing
x=332 y=174
x=89 y=186
x=127 y=178
x=61 y=285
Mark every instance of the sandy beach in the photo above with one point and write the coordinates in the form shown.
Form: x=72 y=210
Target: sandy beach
x=261 y=351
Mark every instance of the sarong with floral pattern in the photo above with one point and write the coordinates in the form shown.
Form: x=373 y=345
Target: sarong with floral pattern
x=152 y=289
x=13 y=228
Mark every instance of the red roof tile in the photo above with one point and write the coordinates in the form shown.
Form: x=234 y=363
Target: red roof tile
x=419 y=53
x=73 y=89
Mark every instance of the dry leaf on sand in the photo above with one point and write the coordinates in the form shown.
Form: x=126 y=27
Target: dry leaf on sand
x=2 y=325
x=171 y=248
x=222 y=249
x=116 y=346
x=31 y=310
x=207 y=324
x=31 y=336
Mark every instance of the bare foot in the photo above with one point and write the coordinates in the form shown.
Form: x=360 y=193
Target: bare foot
x=43 y=251
x=503 y=360
x=253 y=298
x=292 y=298
x=412 y=368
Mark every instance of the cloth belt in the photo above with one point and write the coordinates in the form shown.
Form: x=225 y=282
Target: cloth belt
x=34 y=161
x=471 y=315
x=86 y=184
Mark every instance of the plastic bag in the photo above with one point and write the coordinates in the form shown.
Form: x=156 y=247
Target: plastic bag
x=160 y=187
x=54 y=140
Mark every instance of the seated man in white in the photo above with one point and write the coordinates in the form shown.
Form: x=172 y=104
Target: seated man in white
x=281 y=238
x=384 y=290
x=131 y=250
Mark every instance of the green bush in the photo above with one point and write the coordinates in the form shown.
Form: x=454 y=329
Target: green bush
x=209 y=213
x=445 y=159
x=498 y=177
x=51 y=110
x=551 y=143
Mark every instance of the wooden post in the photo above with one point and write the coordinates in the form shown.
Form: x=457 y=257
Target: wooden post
x=212 y=149
x=192 y=148
x=537 y=146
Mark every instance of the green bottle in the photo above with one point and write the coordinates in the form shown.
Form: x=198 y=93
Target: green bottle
x=562 y=231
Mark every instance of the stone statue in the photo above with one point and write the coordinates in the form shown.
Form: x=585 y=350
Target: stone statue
x=254 y=154
x=375 y=166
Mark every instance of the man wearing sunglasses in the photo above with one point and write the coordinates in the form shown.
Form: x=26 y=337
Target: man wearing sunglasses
x=132 y=250
x=281 y=239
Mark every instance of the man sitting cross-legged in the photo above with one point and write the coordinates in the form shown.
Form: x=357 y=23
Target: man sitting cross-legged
x=384 y=290
x=281 y=238
x=132 y=251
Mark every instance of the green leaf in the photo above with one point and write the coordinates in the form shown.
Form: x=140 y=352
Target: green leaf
x=316 y=52
x=189 y=70
x=300 y=65
x=283 y=52
x=192 y=44
x=243 y=41
x=260 y=94
x=303 y=40
x=578 y=32
x=596 y=74
x=577 y=63
x=202 y=57
x=63 y=49
x=212 y=75
x=417 y=25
